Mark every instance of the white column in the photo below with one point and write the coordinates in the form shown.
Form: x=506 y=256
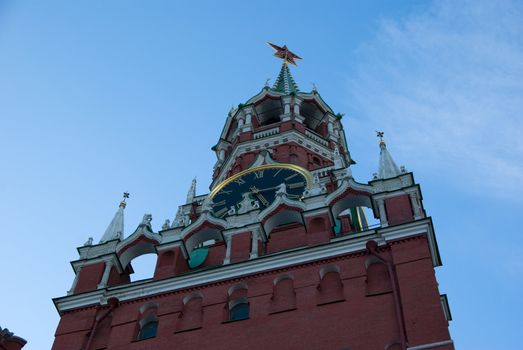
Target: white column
x=296 y=108
x=227 y=259
x=105 y=277
x=254 y=244
x=415 y=205
x=75 y=282
x=383 y=214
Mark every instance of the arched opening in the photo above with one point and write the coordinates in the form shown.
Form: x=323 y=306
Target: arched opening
x=269 y=111
x=351 y=214
x=143 y=267
x=312 y=113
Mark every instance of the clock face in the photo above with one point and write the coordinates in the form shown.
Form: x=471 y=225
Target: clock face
x=256 y=188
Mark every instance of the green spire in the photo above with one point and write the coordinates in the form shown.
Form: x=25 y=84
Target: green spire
x=285 y=82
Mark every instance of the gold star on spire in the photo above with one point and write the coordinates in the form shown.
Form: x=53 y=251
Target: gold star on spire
x=285 y=54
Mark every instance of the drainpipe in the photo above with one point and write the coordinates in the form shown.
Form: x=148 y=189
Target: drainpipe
x=372 y=248
x=113 y=304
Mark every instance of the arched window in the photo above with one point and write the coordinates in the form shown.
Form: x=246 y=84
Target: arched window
x=239 y=310
x=148 y=321
x=148 y=329
x=238 y=303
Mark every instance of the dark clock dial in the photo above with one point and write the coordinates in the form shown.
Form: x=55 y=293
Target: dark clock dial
x=241 y=191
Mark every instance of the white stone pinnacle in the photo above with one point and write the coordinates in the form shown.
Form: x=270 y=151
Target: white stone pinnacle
x=115 y=228
x=387 y=167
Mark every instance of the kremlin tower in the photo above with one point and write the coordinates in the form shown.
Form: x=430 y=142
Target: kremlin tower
x=279 y=254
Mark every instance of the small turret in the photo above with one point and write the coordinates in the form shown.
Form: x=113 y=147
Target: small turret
x=115 y=228
x=192 y=192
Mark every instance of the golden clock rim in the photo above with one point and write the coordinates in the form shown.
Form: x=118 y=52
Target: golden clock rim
x=304 y=172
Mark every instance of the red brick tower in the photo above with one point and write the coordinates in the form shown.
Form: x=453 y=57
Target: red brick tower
x=278 y=255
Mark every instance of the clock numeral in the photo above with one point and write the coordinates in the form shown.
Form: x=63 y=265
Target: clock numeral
x=296 y=185
x=290 y=177
x=276 y=173
x=224 y=192
x=221 y=213
x=240 y=181
x=258 y=174
x=217 y=204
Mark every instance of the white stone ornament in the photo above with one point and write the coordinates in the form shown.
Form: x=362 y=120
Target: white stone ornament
x=282 y=190
x=247 y=204
x=207 y=205
x=316 y=189
x=166 y=224
x=232 y=210
x=89 y=242
x=338 y=159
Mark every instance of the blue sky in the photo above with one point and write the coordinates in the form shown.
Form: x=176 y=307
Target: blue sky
x=98 y=97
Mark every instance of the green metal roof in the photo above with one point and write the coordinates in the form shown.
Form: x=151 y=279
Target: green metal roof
x=285 y=82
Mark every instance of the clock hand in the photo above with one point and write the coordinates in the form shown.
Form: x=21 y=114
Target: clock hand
x=255 y=190
x=262 y=199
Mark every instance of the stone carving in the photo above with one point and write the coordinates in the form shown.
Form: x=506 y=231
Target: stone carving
x=166 y=224
x=88 y=242
x=146 y=222
x=282 y=190
x=247 y=204
x=232 y=210
x=316 y=189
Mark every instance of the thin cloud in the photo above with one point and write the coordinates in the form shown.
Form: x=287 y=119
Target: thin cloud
x=448 y=85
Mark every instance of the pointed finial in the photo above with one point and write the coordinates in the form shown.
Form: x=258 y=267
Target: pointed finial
x=192 y=191
x=314 y=88
x=267 y=82
x=125 y=196
x=285 y=54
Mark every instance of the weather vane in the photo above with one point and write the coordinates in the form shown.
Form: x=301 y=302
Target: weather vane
x=285 y=54
x=380 y=135
x=125 y=196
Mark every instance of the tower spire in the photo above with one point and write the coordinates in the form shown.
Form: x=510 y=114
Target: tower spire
x=115 y=228
x=387 y=167
x=285 y=82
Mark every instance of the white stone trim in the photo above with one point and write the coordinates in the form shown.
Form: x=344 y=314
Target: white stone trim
x=431 y=345
x=291 y=136
x=338 y=246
